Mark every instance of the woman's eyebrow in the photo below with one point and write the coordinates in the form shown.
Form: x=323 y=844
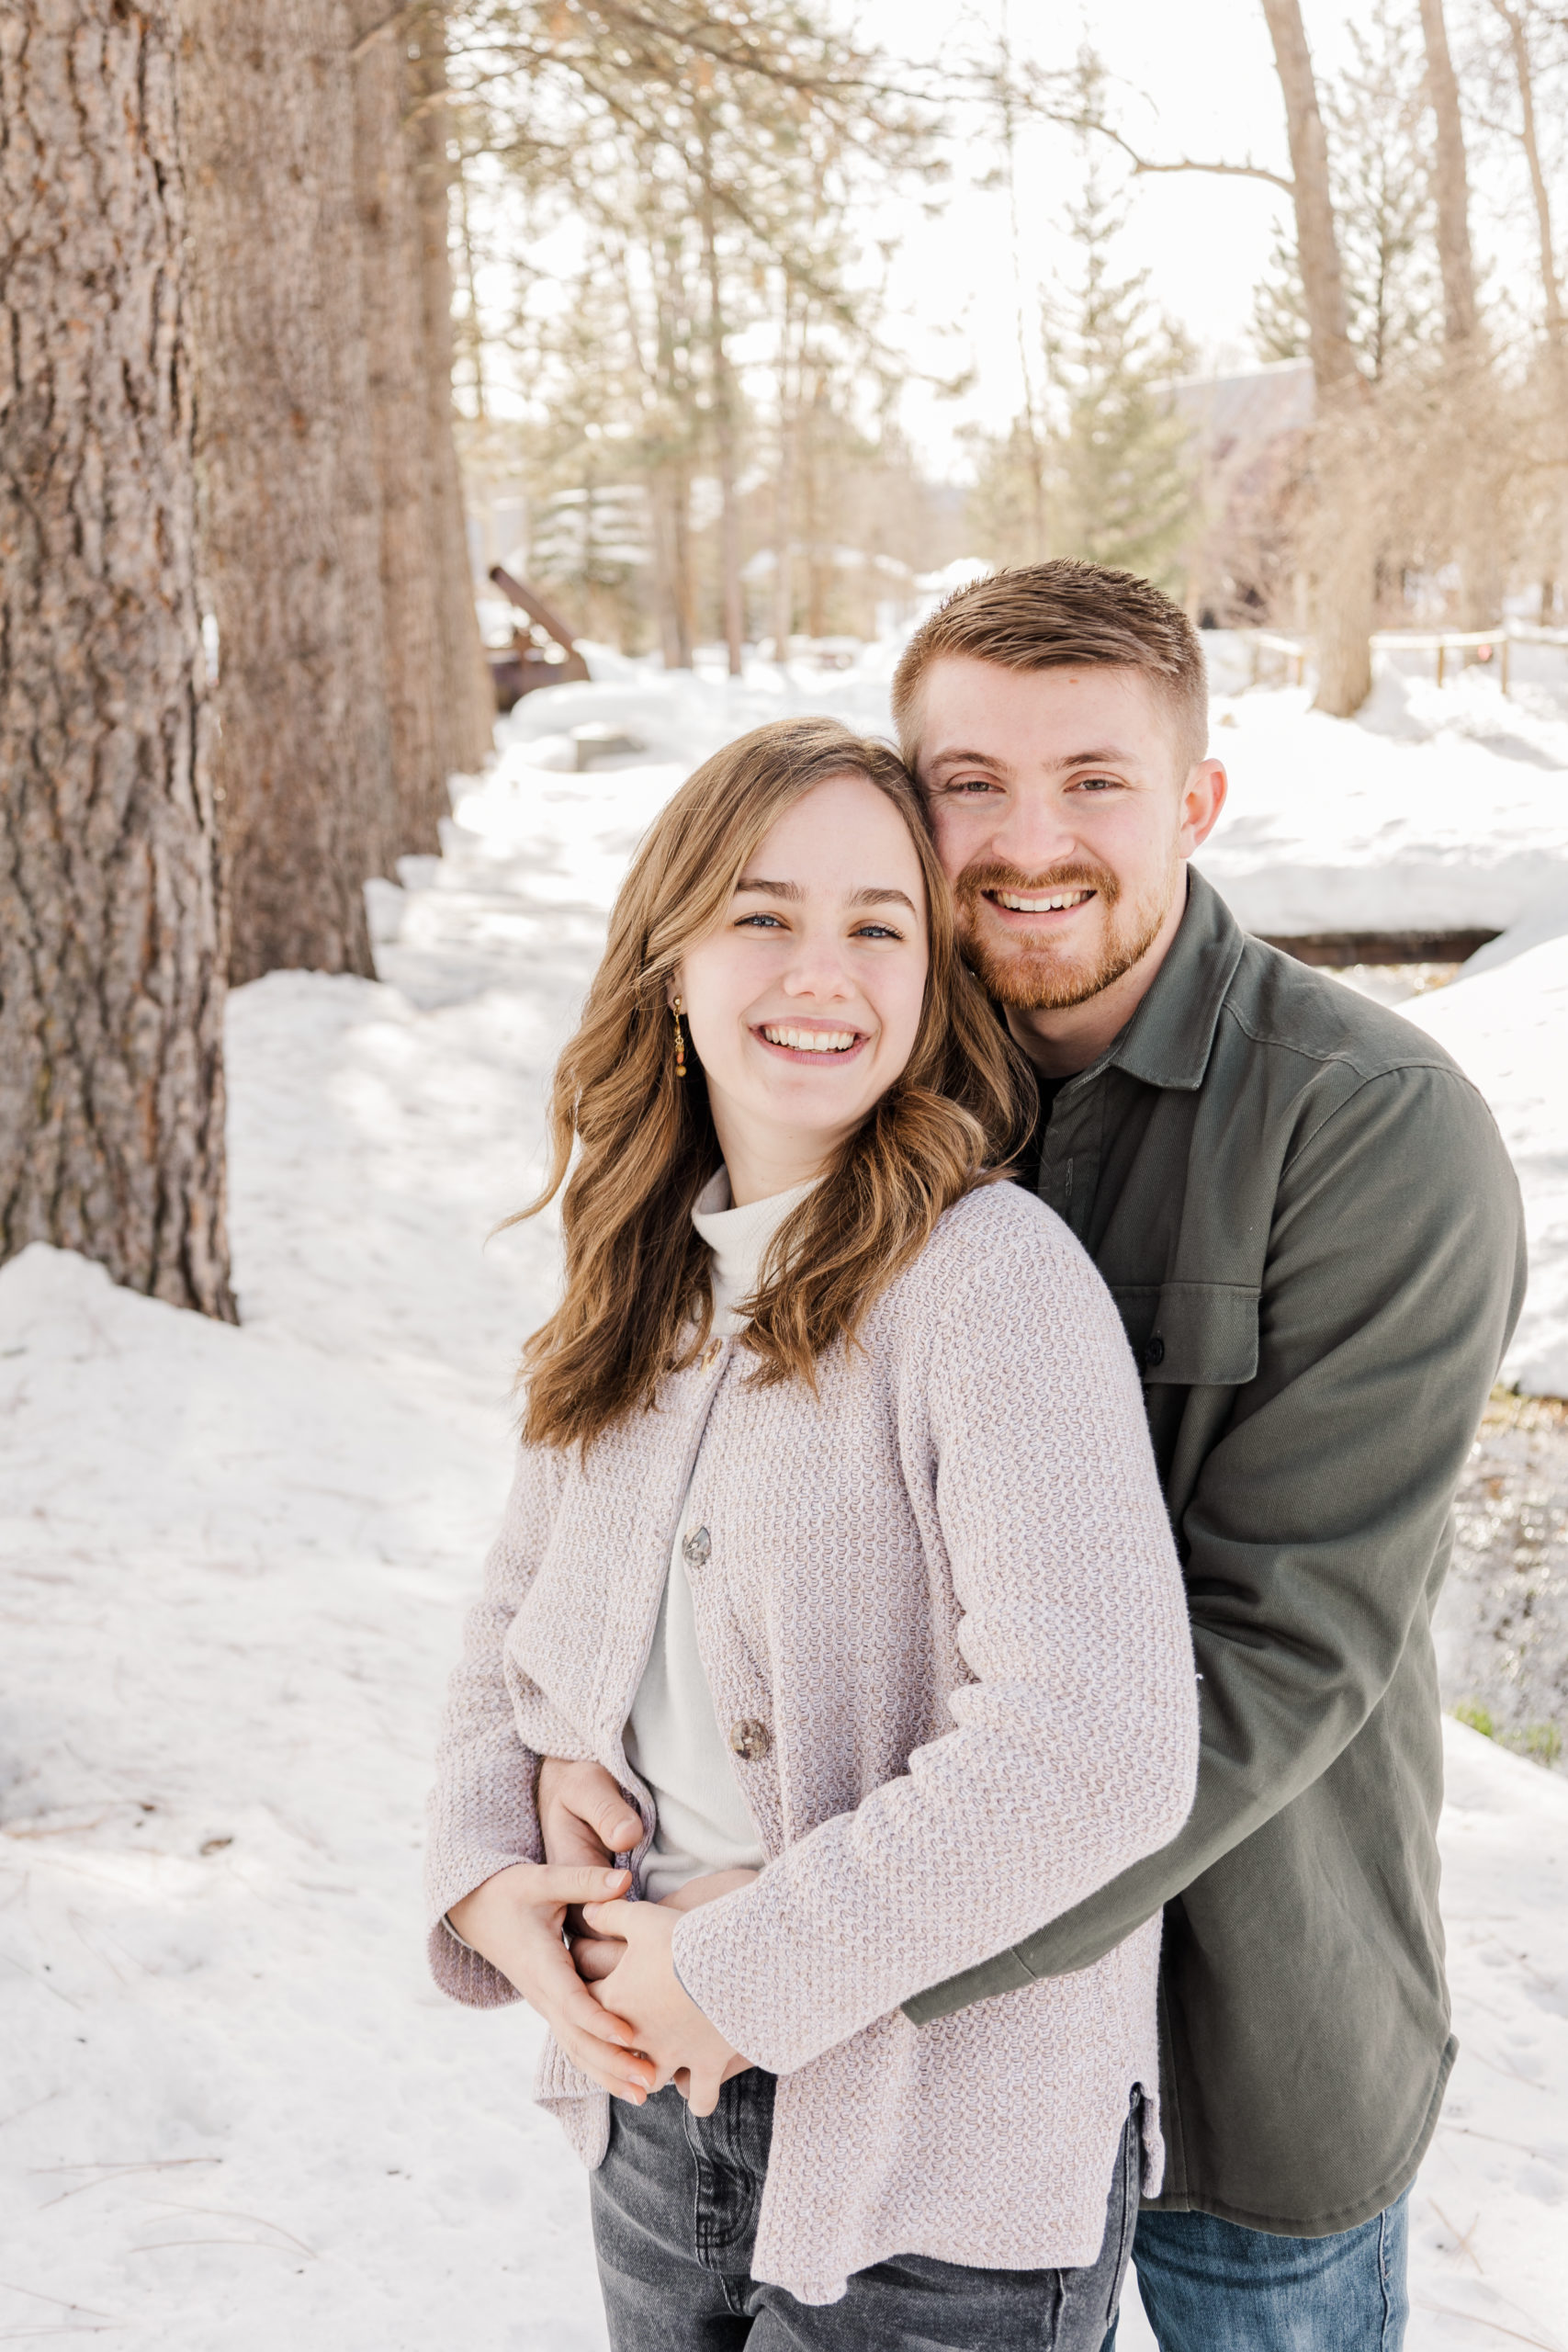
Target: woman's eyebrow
x=771 y=890
x=875 y=895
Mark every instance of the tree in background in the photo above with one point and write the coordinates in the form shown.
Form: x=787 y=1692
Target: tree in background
x=350 y=677
x=1379 y=175
x=111 y=966
x=1111 y=453
x=706 y=161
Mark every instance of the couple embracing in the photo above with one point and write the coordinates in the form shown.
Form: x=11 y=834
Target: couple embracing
x=948 y=1742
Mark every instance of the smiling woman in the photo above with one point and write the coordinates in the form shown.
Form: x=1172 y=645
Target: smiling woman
x=789 y=886
x=836 y=1555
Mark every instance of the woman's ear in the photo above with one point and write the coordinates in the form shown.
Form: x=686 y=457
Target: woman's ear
x=672 y=989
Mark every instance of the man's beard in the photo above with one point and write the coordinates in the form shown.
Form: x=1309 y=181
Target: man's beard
x=1037 y=974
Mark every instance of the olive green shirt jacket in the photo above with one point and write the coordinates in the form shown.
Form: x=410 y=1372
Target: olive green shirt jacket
x=1309 y=1223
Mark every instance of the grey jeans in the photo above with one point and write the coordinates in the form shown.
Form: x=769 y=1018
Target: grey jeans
x=675 y=2205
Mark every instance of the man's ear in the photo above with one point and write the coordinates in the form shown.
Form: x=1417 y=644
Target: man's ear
x=1202 y=797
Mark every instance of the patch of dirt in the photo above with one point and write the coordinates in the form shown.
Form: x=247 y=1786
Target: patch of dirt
x=1502 y=1623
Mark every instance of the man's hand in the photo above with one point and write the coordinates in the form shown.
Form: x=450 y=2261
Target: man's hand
x=583 y=1817
x=684 y=2047
x=515 y=1919
x=595 y=1956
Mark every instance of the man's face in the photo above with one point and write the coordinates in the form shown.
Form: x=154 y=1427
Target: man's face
x=1063 y=809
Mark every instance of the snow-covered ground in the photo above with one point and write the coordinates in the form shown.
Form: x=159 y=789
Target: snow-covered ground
x=234 y=2112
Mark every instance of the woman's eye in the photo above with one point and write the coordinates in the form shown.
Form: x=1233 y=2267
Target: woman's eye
x=758 y=922
x=876 y=930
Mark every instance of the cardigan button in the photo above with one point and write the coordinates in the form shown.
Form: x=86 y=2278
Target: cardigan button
x=751 y=1740
x=696 y=1547
x=710 y=1355
x=1154 y=1353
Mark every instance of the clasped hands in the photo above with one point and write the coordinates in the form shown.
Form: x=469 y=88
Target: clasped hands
x=612 y=1999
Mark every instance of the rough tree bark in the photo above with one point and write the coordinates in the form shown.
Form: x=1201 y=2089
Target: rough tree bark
x=391 y=254
x=111 y=979
x=465 y=698
x=292 y=519
x=1345 y=536
x=1466 y=386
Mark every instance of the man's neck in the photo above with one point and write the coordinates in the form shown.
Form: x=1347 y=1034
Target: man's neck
x=1062 y=1040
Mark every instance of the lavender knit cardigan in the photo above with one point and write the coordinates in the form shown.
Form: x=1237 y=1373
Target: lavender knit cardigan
x=939 y=1612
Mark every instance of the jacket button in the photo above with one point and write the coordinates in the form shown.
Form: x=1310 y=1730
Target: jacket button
x=696 y=1547
x=751 y=1740
x=1154 y=1353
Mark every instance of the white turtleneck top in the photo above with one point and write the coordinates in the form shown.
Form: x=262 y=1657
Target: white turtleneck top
x=672 y=1738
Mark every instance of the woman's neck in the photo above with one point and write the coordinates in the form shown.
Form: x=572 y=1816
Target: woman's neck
x=759 y=1169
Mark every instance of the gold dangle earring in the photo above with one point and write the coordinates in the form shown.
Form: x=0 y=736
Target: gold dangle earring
x=680 y=1043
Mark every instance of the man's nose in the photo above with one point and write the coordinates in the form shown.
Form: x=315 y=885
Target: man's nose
x=1034 y=834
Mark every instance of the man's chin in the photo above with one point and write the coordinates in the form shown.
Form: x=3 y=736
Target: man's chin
x=1033 y=979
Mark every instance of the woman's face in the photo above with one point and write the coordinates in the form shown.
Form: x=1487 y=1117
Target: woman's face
x=804 y=1005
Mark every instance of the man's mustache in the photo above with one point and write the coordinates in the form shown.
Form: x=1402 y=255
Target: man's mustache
x=986 y=874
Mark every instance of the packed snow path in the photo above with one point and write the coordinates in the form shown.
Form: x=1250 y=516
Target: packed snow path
x=234 y=2112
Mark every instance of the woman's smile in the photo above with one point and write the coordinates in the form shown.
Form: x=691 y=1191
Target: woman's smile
x=810 y=1041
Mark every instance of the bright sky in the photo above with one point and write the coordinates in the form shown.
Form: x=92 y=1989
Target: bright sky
x=1197 y=80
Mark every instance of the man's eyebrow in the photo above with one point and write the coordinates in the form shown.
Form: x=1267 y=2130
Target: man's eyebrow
x=1098 y=755
x=771 y=890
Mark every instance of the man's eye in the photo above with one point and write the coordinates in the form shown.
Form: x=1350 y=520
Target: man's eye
x=971 y=784
x=1095 y=784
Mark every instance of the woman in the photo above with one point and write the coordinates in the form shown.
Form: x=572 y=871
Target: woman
x=883 y=1604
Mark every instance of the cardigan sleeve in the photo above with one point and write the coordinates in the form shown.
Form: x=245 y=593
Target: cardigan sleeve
x=1074 y=1748
x=481 y=1811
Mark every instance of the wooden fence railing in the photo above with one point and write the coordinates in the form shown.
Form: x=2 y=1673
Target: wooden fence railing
x=1487 y=641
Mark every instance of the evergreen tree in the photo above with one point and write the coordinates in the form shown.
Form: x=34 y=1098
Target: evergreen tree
x=1124 y=487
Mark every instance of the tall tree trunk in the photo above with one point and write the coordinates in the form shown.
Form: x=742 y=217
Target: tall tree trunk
x=671 y=501
x=1451 y=182
x=1467 y=388
x=722 y=391
x=465 y=695
x=393 y=258
x=293 y=513
x=783 y=526
x=1346 y=543
x=111 y=973
x=1551 y=285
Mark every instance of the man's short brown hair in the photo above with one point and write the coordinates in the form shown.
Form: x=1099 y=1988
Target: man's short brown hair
x=1058 y=615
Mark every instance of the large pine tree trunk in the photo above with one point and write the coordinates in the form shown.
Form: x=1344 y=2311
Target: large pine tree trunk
x=391 y=251
x=464 y=697
x=111 y=980
x=1345 y=565
x=293 y=523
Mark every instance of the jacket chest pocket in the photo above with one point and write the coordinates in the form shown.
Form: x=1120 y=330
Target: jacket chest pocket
x=1191 y=1335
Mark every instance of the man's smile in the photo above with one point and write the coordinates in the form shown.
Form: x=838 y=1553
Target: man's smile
x=1060 y=901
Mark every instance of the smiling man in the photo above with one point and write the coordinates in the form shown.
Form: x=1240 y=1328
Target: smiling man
x=1313 y=1233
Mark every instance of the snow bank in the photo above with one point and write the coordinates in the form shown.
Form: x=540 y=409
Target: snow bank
x=1507 y=1027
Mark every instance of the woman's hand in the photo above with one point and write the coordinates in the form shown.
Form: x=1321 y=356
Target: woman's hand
x=665 y=2021
x=515 y=1920
x=595 y=1956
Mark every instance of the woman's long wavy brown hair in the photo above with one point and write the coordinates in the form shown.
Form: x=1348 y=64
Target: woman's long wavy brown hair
x=637 y=1303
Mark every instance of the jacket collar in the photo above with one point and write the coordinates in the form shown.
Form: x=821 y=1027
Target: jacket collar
x=1169 y=1040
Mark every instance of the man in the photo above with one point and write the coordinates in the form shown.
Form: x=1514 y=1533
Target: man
x=1309 y=1224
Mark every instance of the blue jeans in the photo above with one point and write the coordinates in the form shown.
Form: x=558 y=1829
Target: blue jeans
x=1211 y=2286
